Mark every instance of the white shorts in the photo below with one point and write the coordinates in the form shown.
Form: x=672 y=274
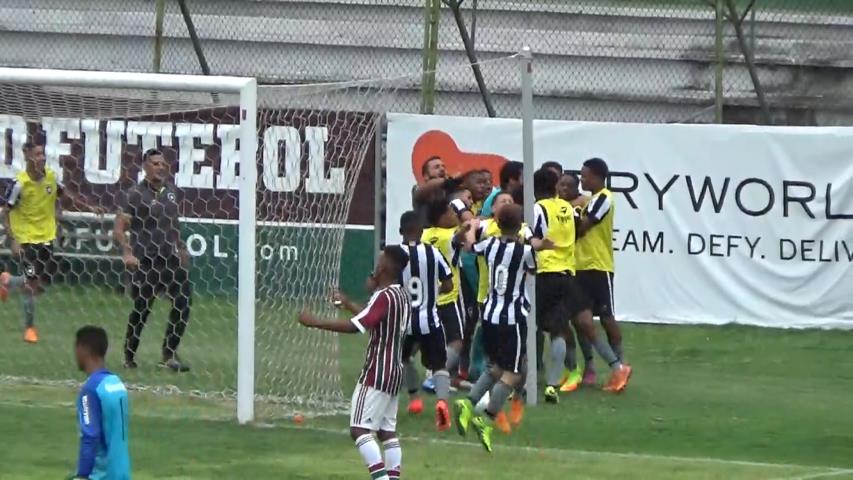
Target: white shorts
x=373 y=410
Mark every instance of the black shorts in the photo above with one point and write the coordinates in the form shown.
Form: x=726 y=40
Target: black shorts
x=432 y=346
x=161 y=275
x=505 y=345
x=557 y=300
x=597 y=287
x=453 y=319
x=37 y=261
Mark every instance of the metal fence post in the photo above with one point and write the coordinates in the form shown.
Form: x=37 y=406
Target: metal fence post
x=527 y=115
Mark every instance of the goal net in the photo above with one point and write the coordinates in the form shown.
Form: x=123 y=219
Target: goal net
x=313 y=143
x=259 y=248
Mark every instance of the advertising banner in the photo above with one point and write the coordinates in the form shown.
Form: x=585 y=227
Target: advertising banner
x=305 y=175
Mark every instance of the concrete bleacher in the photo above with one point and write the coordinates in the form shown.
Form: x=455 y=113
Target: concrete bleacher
x=593 y=62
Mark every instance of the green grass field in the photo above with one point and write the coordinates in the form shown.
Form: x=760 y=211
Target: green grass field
x=705 y=402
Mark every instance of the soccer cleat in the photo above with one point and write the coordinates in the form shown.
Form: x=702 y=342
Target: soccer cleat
x=565 y=377
x=31 y=335
x=416 y=406
x=442 y=416
x=516 y=410
x=130 y=364
x=572 y=382
x=551 y=395
x=464 y=414
x=484 y=432
x=174 y=364
x=618 y=379
x=589 y=377
x=502 y=424
x=428 y=385
x=457 y=384
x=4 y=286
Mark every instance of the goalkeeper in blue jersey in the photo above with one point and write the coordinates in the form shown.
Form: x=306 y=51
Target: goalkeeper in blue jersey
x=102 y=411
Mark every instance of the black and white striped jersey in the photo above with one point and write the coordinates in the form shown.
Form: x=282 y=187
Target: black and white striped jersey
x=509 y=262
x=422 y=278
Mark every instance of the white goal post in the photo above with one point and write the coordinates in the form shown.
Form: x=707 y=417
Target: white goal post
x=247 y=90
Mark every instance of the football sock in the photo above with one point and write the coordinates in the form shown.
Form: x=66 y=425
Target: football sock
x=617 y=349
x=441 y=379
x=16 y=283
x=483 y=385
x=556 y=361
x=393 y=458
x=452 y=360
x=520 y=389
x=410 y=374
x=369 y=450
x=586 y=349
x=497 y=397
x=603 y=348
x=29 y=310
x=571 y=356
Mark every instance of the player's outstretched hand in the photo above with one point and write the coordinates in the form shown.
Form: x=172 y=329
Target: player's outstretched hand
x=130 y=261
x=542 y=244
x=99 y=211
x=339 y=299
x=306 y=318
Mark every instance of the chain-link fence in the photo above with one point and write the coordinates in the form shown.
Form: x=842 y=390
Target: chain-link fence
x=765 y=61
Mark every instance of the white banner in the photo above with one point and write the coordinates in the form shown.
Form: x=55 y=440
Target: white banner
x=715 y=223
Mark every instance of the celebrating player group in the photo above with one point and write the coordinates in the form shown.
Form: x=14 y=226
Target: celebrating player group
x=457 y=286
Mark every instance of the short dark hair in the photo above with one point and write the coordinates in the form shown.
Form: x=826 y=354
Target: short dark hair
x=466 y=177
x=545 y=183
x=510 y=218
x=410 y=221
x=598 y=167
x=398 y=256
x=517 y=195
x=554 y=165
x=511 y=171
x=150 y=153
x=573 y=176
x=504 y=192
x=425 y=166
x=94 y=339
x=434 y=210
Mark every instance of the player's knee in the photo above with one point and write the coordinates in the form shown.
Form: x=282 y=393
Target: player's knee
x=384 y=435
x=355 y=432
x=510 y=378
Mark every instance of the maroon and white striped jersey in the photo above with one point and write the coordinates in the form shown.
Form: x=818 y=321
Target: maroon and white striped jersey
x=387 y=316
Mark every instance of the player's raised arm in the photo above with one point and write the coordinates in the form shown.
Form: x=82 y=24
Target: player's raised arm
x=340 y=326
x=76 y=200
x=341 y=301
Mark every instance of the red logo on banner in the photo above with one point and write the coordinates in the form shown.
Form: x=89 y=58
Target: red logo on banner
x=436 y=143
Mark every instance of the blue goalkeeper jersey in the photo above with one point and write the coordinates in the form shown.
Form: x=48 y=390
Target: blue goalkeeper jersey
x=103 y=413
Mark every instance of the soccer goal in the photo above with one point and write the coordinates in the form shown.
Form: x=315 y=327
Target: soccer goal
x=260 y=242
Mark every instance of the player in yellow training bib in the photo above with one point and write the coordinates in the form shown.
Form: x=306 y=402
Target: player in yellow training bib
x=448 y=241
x=595 y=258
x=556 y=293
x=30 y=220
